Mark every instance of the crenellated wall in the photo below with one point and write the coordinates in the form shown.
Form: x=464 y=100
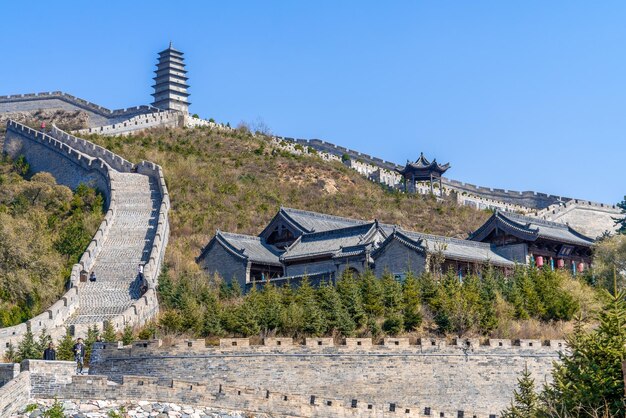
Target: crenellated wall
x=464 y=374
x=73 y=161
x=98 y=115
x=167 y=118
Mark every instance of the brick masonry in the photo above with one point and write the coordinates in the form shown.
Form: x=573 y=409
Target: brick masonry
x=450 y=377
x=135 y=229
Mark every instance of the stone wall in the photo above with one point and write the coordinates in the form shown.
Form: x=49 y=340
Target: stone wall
x=398 y=258
x=8 y=371
x=98 y=115
x=72 y=161
x=69 y=167
x=434 y=373
x=14 y=394
x=589 y=218
x=138 y=123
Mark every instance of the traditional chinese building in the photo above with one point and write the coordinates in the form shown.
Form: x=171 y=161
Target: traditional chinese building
x=170 y=84
x=534 y=241
x=422 y=170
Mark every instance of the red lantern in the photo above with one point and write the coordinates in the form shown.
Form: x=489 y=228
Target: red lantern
x=539 y=261
x=581 y=267
x=560 y=263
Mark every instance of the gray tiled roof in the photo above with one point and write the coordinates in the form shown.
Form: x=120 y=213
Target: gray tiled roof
x=460 y=249
x=531 y=229
x=318 y=222
x=253 y=248
x=331 y=242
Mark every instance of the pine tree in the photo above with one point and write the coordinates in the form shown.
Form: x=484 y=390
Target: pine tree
x=108 y=333
x=246 y=323
x=271 y=308
x=348 y=289
x=314 y=322
x=372 y=293
x=65 y=347
x=335 y=313
x=211 y=325
x=27 y=348
x=412 y=299
x=525 y=403
x=127 y=336
x=393 y=302
x=43 y=341
x=10 y=355
x=92 y=337
x=235 y=289
x=589 y=377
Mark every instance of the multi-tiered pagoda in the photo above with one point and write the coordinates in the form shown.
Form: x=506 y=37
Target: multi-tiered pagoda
x=170 y=88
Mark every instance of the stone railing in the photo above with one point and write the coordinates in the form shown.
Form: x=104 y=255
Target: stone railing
x=92 y=150
x=137 y=123
x=102 y=111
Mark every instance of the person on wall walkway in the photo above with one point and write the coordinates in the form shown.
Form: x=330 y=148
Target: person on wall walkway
x=79 y=355
x=50 y=353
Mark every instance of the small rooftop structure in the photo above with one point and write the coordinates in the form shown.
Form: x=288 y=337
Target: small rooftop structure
x=170 y=88
x=423 y=170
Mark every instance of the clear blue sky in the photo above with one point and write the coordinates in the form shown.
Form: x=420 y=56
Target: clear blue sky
x=517 y=95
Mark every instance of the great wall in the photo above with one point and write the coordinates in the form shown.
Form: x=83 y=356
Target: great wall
x=135 y=229
x=466 y=378
x=400 y=377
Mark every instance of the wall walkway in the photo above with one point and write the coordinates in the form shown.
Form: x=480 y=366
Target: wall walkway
x=135 y=229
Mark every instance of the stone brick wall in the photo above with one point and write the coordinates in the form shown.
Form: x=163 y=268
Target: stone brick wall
x=138 y=123
x=72 y=161
x=397 y=258
x=228 y=265
x=14 y=394
x=69 y=167
x=98 y=115
x=8 y=371
x=435 y=373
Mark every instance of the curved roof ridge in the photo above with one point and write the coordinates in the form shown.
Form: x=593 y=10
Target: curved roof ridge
x=442 y=238
x=532 y=220
x=340 y=231
x=241 y=236
x=321 y=215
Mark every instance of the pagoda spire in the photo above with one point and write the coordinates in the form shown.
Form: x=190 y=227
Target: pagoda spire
x=170 y=88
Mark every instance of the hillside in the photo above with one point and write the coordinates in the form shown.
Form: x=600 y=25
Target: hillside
x=236 y=182
x=44 y=228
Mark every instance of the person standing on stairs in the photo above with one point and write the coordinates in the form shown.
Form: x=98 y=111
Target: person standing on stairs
x=79 y=355
x=140 y=271
x=92 y=276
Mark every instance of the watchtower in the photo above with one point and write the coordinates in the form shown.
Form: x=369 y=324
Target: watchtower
x=423 y=170
x=170 y=88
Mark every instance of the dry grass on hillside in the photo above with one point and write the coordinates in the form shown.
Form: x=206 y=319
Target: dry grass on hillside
x=236 y=182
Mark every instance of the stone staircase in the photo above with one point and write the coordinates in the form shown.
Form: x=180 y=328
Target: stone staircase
x=127 y=244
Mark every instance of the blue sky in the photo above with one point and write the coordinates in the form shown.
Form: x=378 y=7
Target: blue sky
x=517 y=95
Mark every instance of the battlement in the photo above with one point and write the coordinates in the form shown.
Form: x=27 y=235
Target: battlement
x=37 y=379
x=73 y=161
x=102 y=111
x=450 y=374
x=327 y=346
